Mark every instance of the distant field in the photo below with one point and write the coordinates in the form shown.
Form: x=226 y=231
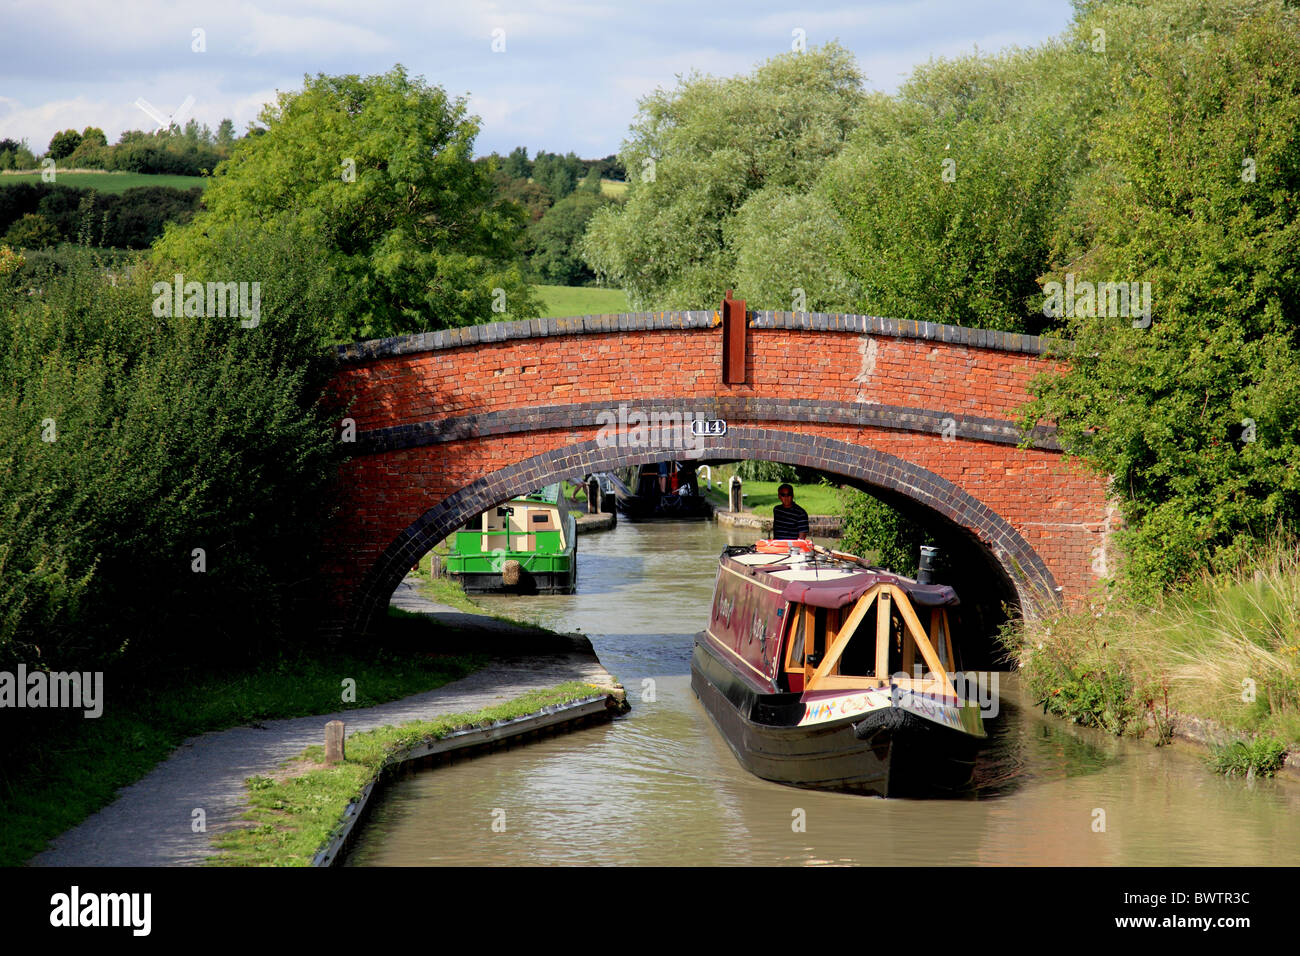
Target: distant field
x=558 y=300
x=107 y=182
x=612 y=187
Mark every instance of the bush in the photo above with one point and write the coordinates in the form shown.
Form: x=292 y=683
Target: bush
x=127 y=441
x=32 y=231
x=870 y=525
x=131 y=220
x=1262 y=757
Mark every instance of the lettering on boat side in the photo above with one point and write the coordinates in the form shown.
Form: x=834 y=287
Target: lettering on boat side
x=722 y=611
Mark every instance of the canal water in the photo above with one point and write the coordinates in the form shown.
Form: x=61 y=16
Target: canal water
x=661 y=786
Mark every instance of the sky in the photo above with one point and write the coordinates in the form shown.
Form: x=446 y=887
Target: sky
x=566 y=74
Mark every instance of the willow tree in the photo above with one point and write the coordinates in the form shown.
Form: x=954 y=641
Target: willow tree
x=698 y=153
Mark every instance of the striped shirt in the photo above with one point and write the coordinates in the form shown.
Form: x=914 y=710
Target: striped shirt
x=789 y=523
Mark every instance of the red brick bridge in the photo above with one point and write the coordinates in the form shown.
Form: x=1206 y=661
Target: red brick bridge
x=449 y=423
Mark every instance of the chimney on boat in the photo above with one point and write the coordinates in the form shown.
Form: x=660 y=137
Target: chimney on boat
x=925 y=568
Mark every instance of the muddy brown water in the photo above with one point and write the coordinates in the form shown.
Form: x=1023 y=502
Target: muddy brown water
x=660 y=786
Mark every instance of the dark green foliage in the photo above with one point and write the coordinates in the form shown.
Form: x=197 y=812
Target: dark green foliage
x=128 y=440
x=870 y=525
x=64 y=144
x=1262 y=757
x=1195 y=191
x=552 y=240
x=1094 y=699
x=14 y=155
x=557 y=174
x=164 y=152
x=517 y=165
x=32 y=231
x=132 y=219
x=607 y=168
x=529 y=196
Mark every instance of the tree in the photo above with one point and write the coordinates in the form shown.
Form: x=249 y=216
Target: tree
x=226 y=134
x=791 y=254
x=948 y=193
x=63 y=144
x=517 y=165
x=591 y=182
x=557 y=174
x=377 y=174
x=32 y=231
x=553 y=239
x=16 y=155
x=1192 y=406
x=697 y=153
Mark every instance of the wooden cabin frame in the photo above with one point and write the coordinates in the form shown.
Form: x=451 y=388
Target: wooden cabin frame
x=839 y=632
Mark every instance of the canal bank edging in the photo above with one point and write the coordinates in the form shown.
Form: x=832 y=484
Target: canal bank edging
x=557 y=718
x=1208 y=734
x=821 y=526
x=603 y=521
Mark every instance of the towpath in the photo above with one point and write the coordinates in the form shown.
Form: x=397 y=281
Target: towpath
x=150 y=823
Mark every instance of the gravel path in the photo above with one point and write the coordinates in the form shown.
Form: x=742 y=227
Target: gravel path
x=150 y=822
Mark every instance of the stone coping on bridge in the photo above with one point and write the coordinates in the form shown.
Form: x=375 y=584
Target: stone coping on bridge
x=696 y=319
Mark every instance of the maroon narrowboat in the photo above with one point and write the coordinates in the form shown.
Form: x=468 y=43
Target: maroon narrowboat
x=822 y=672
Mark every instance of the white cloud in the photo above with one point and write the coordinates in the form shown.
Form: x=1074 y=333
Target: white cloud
x=572 y=74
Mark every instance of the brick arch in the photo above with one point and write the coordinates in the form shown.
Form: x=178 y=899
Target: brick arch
x=1025 y=571
x=459 y=419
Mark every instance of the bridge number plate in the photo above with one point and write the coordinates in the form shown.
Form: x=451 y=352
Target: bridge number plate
x=713 y=426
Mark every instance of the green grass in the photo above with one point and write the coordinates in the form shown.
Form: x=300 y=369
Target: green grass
x=559 y=300
x=293 y=818
x=613 y=187
x=108 y=182
x=761 y=498
x=76 y=766
x=1227 y=651
x=1258 y=758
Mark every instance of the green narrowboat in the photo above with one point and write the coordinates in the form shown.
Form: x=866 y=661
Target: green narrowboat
x=527 y=545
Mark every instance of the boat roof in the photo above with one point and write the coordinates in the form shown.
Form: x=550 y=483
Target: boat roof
x=847 y=589
x=549 y=494
x=835 y=583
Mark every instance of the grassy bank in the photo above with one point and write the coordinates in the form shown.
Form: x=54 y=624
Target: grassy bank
x=1226 y=651
x=71 y=768
x=294 y=815
x=760 y=496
